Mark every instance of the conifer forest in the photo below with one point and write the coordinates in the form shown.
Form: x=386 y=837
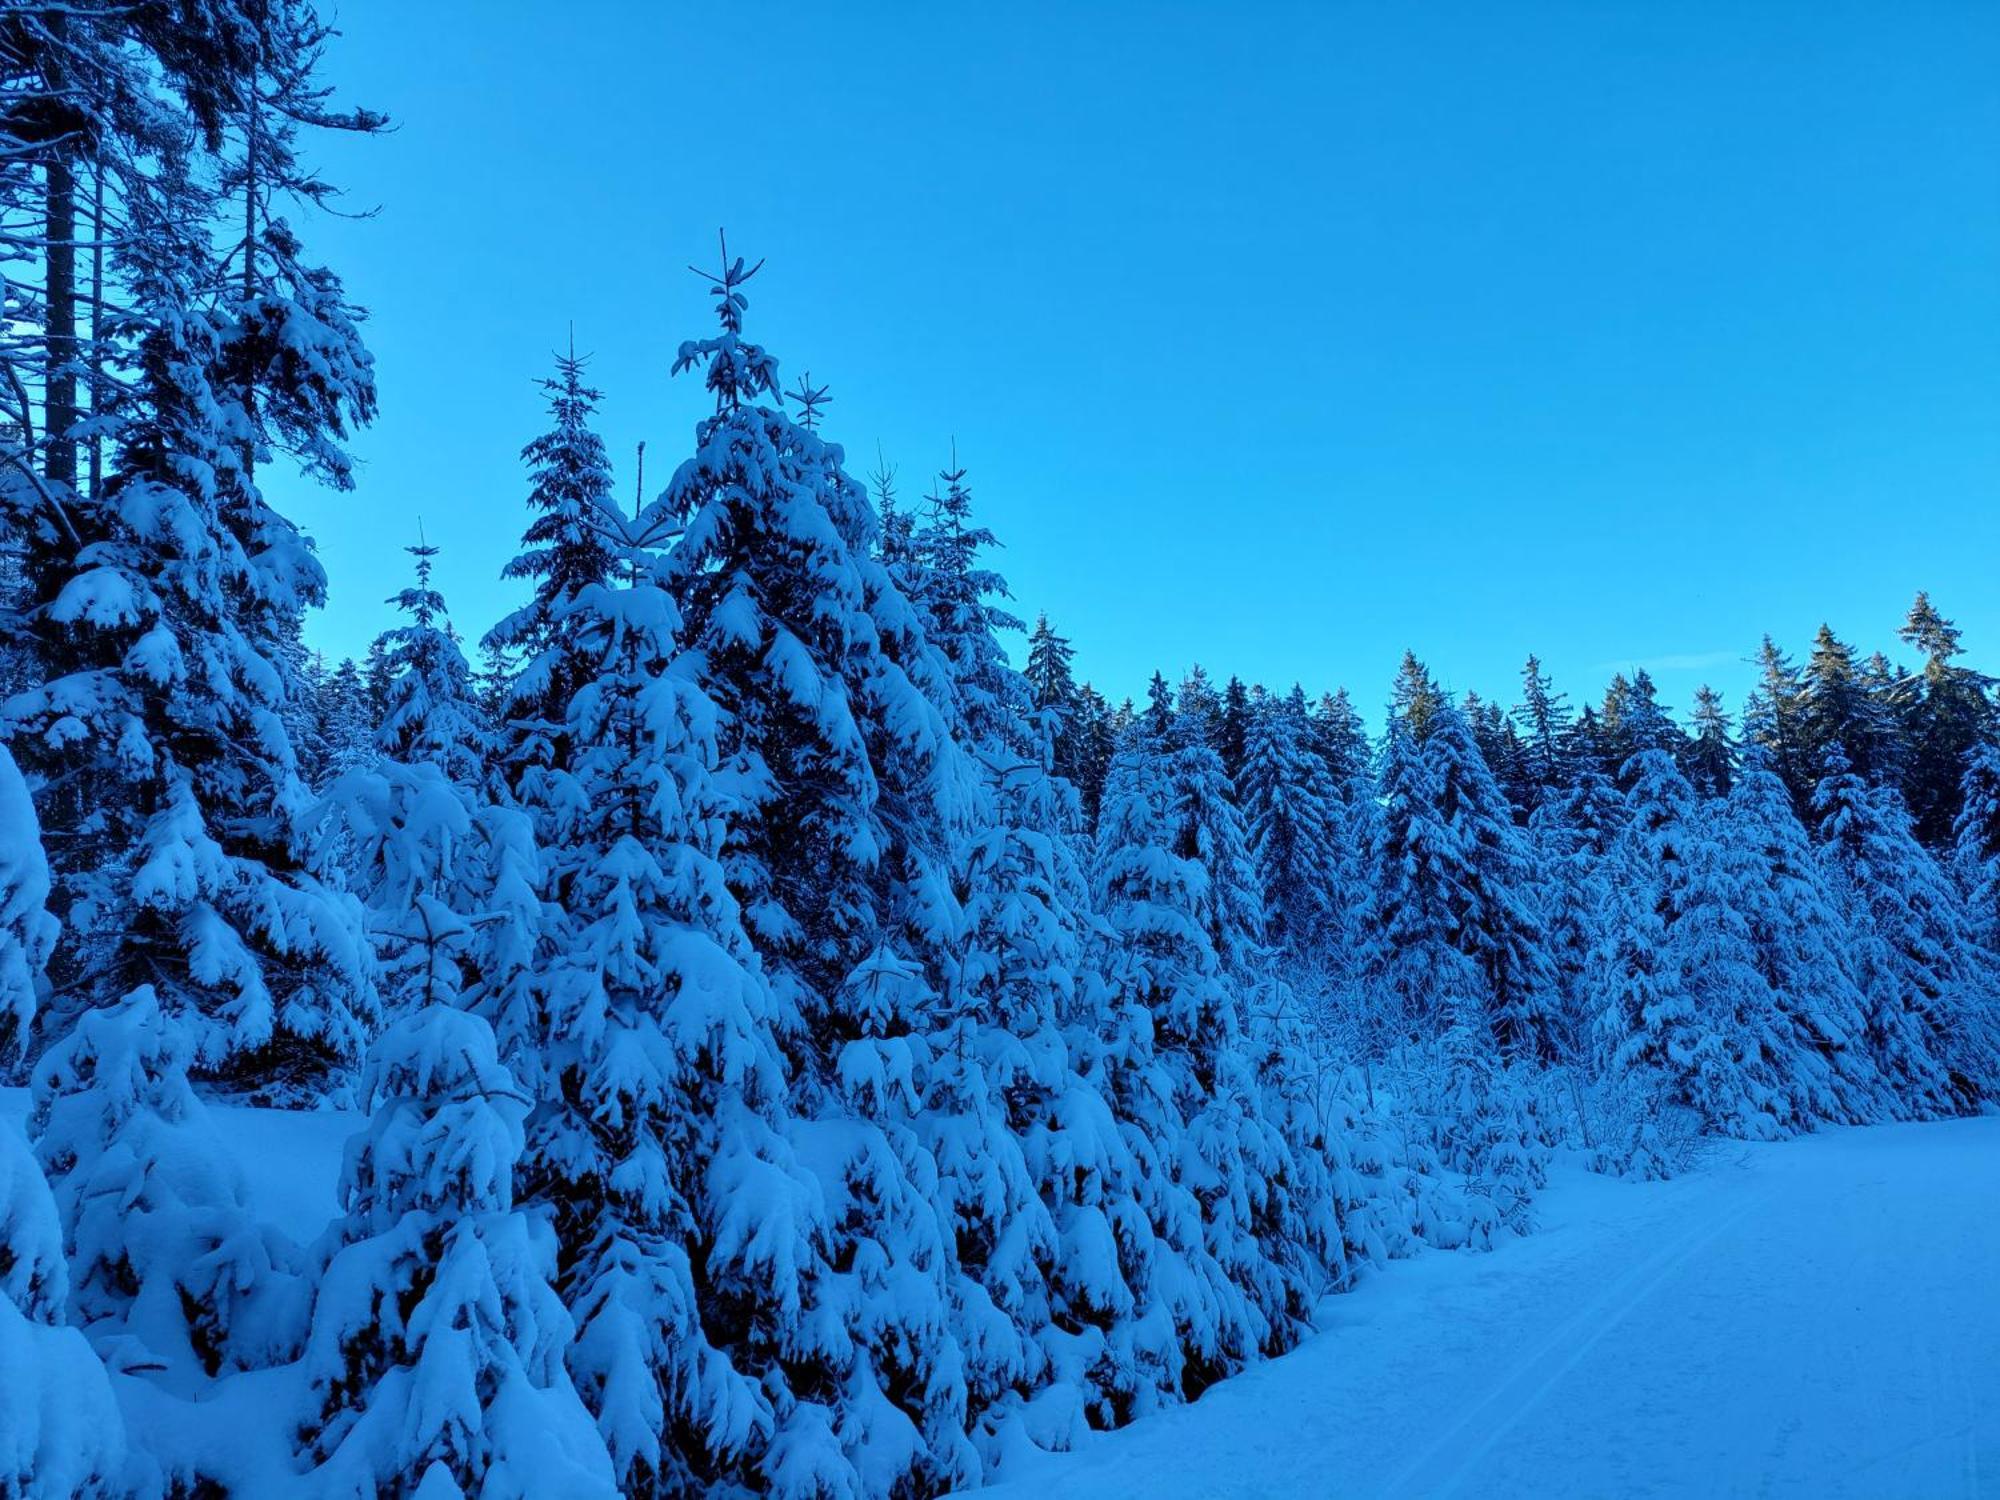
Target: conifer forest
x=780 y=1029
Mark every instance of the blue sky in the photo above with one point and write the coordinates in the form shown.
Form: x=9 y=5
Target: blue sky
x=1279 y=337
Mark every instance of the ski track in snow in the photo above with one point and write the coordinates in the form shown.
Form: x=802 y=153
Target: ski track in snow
x=1818 y=1318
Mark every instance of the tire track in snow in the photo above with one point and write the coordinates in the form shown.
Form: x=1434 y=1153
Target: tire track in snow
x=1536 y=1373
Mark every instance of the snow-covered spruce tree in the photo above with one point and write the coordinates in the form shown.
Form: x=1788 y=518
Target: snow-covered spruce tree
x=1774 y=721
x=431 y=713
x=1100 y=722
x=1336 y=734
x=1652 y=1032
x=167 y=1263
x=1053 y=691
x=835 y=748
x=446 y=868
x=1976 y=842
x=1341 y=739
x=1573 y=832
x=1945 y=712
x=1485 y=1131
x=1415 y=969
x=1542 y=719
x=1453 y=915
x=1927 y=984
x=847 y=796
x=1165 y=1006
x=1197 y=709
x=27 y=931
x=1708 y=757
x=163 y=601
x=1217 y=1268
x=1713 y=947
x=1495 y=923
x=959 y=600
x=1233 y=732
x=1458 y=877
x=343 y=725
x=564 y=550
x=60 y=1428
x=989 y=1101
x=1229 y=902
x=1840 y=711
x=692 y=1255
x=1051 y=682
x=1499 y=745
x=1632 y=717
x=1027 y=1154
x=1291 y=811
x=437 y=1343
x=1798 y=941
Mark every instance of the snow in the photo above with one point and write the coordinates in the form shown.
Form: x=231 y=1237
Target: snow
x=290 y=1157
x=1815 y=1318
x=290 y=1160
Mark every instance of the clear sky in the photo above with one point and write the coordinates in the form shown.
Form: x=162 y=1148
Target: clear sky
x=1279 y=337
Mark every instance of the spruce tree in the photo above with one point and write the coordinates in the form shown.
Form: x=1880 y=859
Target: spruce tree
x=1233 y=730
x=1774 y=721
x=1655 y=1028
x=843 y=760
x=61 y=1432
x=1542 y=720
x=1708 y=756
x=1491 y=875
x=1098 y=726
x=1415 y=700
x=1573 y=834
x=656 y=1138
x=1634 y=721
x=1837 y=712
x=1054 y=694
x=1976 y=842
x=437 y=1344
x=1050 y=679
x=167 y=1262
x=1199 y=707
x=1216 y=1279
x=1212 y=834
x=1342 y=742
x=848 y=798
x=1799 y=944
x=345 y=722
x=1412 y=959
x=1291 y=812
x=60 y=1428
x=164 y=604
x=431 y=712
x=27 y=931
x=960 y=598
x=1945 y=712
x=1453 y=921
x=1928 y=990
x=1500 y=747
x=565 y=550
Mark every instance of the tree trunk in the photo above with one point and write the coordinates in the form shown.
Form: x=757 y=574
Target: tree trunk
x=95 y=356
x=59 y=347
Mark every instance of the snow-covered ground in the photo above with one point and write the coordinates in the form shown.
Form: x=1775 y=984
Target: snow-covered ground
x=1819 y=1318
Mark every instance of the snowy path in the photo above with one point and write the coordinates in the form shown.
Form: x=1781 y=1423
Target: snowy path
x=1814 y=1319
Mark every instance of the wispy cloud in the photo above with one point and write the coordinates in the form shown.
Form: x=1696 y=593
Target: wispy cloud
x=1676 y=661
